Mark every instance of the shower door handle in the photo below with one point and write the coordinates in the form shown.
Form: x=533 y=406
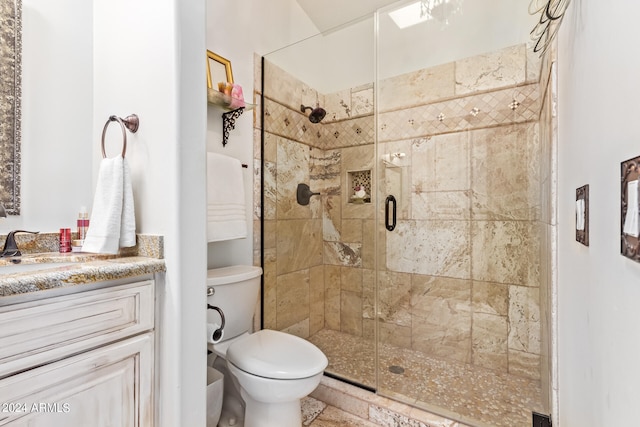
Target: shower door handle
x=390 y=225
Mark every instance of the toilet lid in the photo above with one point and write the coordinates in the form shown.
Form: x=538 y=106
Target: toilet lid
x=278 y=355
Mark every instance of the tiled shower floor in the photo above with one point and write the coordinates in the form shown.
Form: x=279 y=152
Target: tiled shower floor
x=456 y=390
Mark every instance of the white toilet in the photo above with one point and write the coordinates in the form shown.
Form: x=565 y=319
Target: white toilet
x=272 y=370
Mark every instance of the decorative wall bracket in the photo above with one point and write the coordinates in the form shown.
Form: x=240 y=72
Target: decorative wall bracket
x=630 y=209
x=231 y=113
x=582 y=215
x=229 y=123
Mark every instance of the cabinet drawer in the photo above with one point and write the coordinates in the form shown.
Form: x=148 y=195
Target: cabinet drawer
x=38 y=332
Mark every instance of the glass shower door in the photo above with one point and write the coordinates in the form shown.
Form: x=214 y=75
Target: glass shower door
x=461 y=171
x=418 y=258
x=319 y=249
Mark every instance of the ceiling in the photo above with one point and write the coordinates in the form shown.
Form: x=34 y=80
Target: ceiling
x=328 y=14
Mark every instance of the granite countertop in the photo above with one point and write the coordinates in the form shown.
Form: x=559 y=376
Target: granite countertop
x=77 y=268
x=77 y=273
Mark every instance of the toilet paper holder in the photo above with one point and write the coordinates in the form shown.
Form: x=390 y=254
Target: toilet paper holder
x=217 y=334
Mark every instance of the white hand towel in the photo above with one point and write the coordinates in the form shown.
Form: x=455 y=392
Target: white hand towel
x=112 y=222
x=226 y=212
x=128 y=222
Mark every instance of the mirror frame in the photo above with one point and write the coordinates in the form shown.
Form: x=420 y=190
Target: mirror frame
x=217 y=67
x=10 y=112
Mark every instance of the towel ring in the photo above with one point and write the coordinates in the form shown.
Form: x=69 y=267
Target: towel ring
x=130 y=122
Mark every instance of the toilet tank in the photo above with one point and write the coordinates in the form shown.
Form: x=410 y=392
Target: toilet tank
x=236 y=293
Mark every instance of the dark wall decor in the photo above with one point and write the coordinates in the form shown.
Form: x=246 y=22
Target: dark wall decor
x=629 y=209
x=582 y=215
x=551 y=15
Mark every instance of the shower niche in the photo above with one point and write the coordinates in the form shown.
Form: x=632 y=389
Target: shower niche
x=359 y=186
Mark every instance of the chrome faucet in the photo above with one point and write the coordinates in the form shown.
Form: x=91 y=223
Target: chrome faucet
x=10 y=246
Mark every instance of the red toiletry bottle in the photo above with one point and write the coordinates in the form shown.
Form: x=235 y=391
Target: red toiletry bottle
x=65 y=240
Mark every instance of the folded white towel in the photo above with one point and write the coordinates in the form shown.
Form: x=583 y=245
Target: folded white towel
x=226 y=211
x=112 y=224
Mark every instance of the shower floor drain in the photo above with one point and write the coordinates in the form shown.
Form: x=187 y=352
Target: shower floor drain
x=395 y=369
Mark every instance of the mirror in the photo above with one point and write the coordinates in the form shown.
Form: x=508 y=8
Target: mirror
x=10 y=90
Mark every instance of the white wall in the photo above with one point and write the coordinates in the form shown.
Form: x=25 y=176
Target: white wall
x=148 y=60
x=237 y=30
x=83 y=61
x=599 y=289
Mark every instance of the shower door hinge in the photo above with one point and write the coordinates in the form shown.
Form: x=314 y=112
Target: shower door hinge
x=540 y=420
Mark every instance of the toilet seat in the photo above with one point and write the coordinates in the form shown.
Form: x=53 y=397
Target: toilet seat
x=277 y=355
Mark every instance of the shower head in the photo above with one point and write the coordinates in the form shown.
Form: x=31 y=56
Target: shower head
x=317 y=114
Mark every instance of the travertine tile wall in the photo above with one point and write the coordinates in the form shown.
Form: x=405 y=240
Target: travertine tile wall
x=460 y=276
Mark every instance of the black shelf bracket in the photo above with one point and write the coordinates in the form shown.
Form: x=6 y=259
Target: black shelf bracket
x=229 y=123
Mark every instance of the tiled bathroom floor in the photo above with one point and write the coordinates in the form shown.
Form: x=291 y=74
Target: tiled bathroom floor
x=318 y=414
x=457 y=390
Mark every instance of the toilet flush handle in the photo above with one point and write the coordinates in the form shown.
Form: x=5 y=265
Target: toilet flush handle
x=217 y=334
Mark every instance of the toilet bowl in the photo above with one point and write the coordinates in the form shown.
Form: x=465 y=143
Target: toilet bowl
x=274 y=371
x=270 y=370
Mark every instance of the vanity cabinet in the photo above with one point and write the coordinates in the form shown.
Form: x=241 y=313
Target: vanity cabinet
x=84 y=359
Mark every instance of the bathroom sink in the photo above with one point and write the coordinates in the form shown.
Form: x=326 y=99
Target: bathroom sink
x=23 y=268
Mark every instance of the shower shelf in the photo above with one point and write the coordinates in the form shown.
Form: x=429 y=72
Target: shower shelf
x=234 y=109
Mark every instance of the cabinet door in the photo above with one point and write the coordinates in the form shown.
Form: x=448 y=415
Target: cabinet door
x=110 y=386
